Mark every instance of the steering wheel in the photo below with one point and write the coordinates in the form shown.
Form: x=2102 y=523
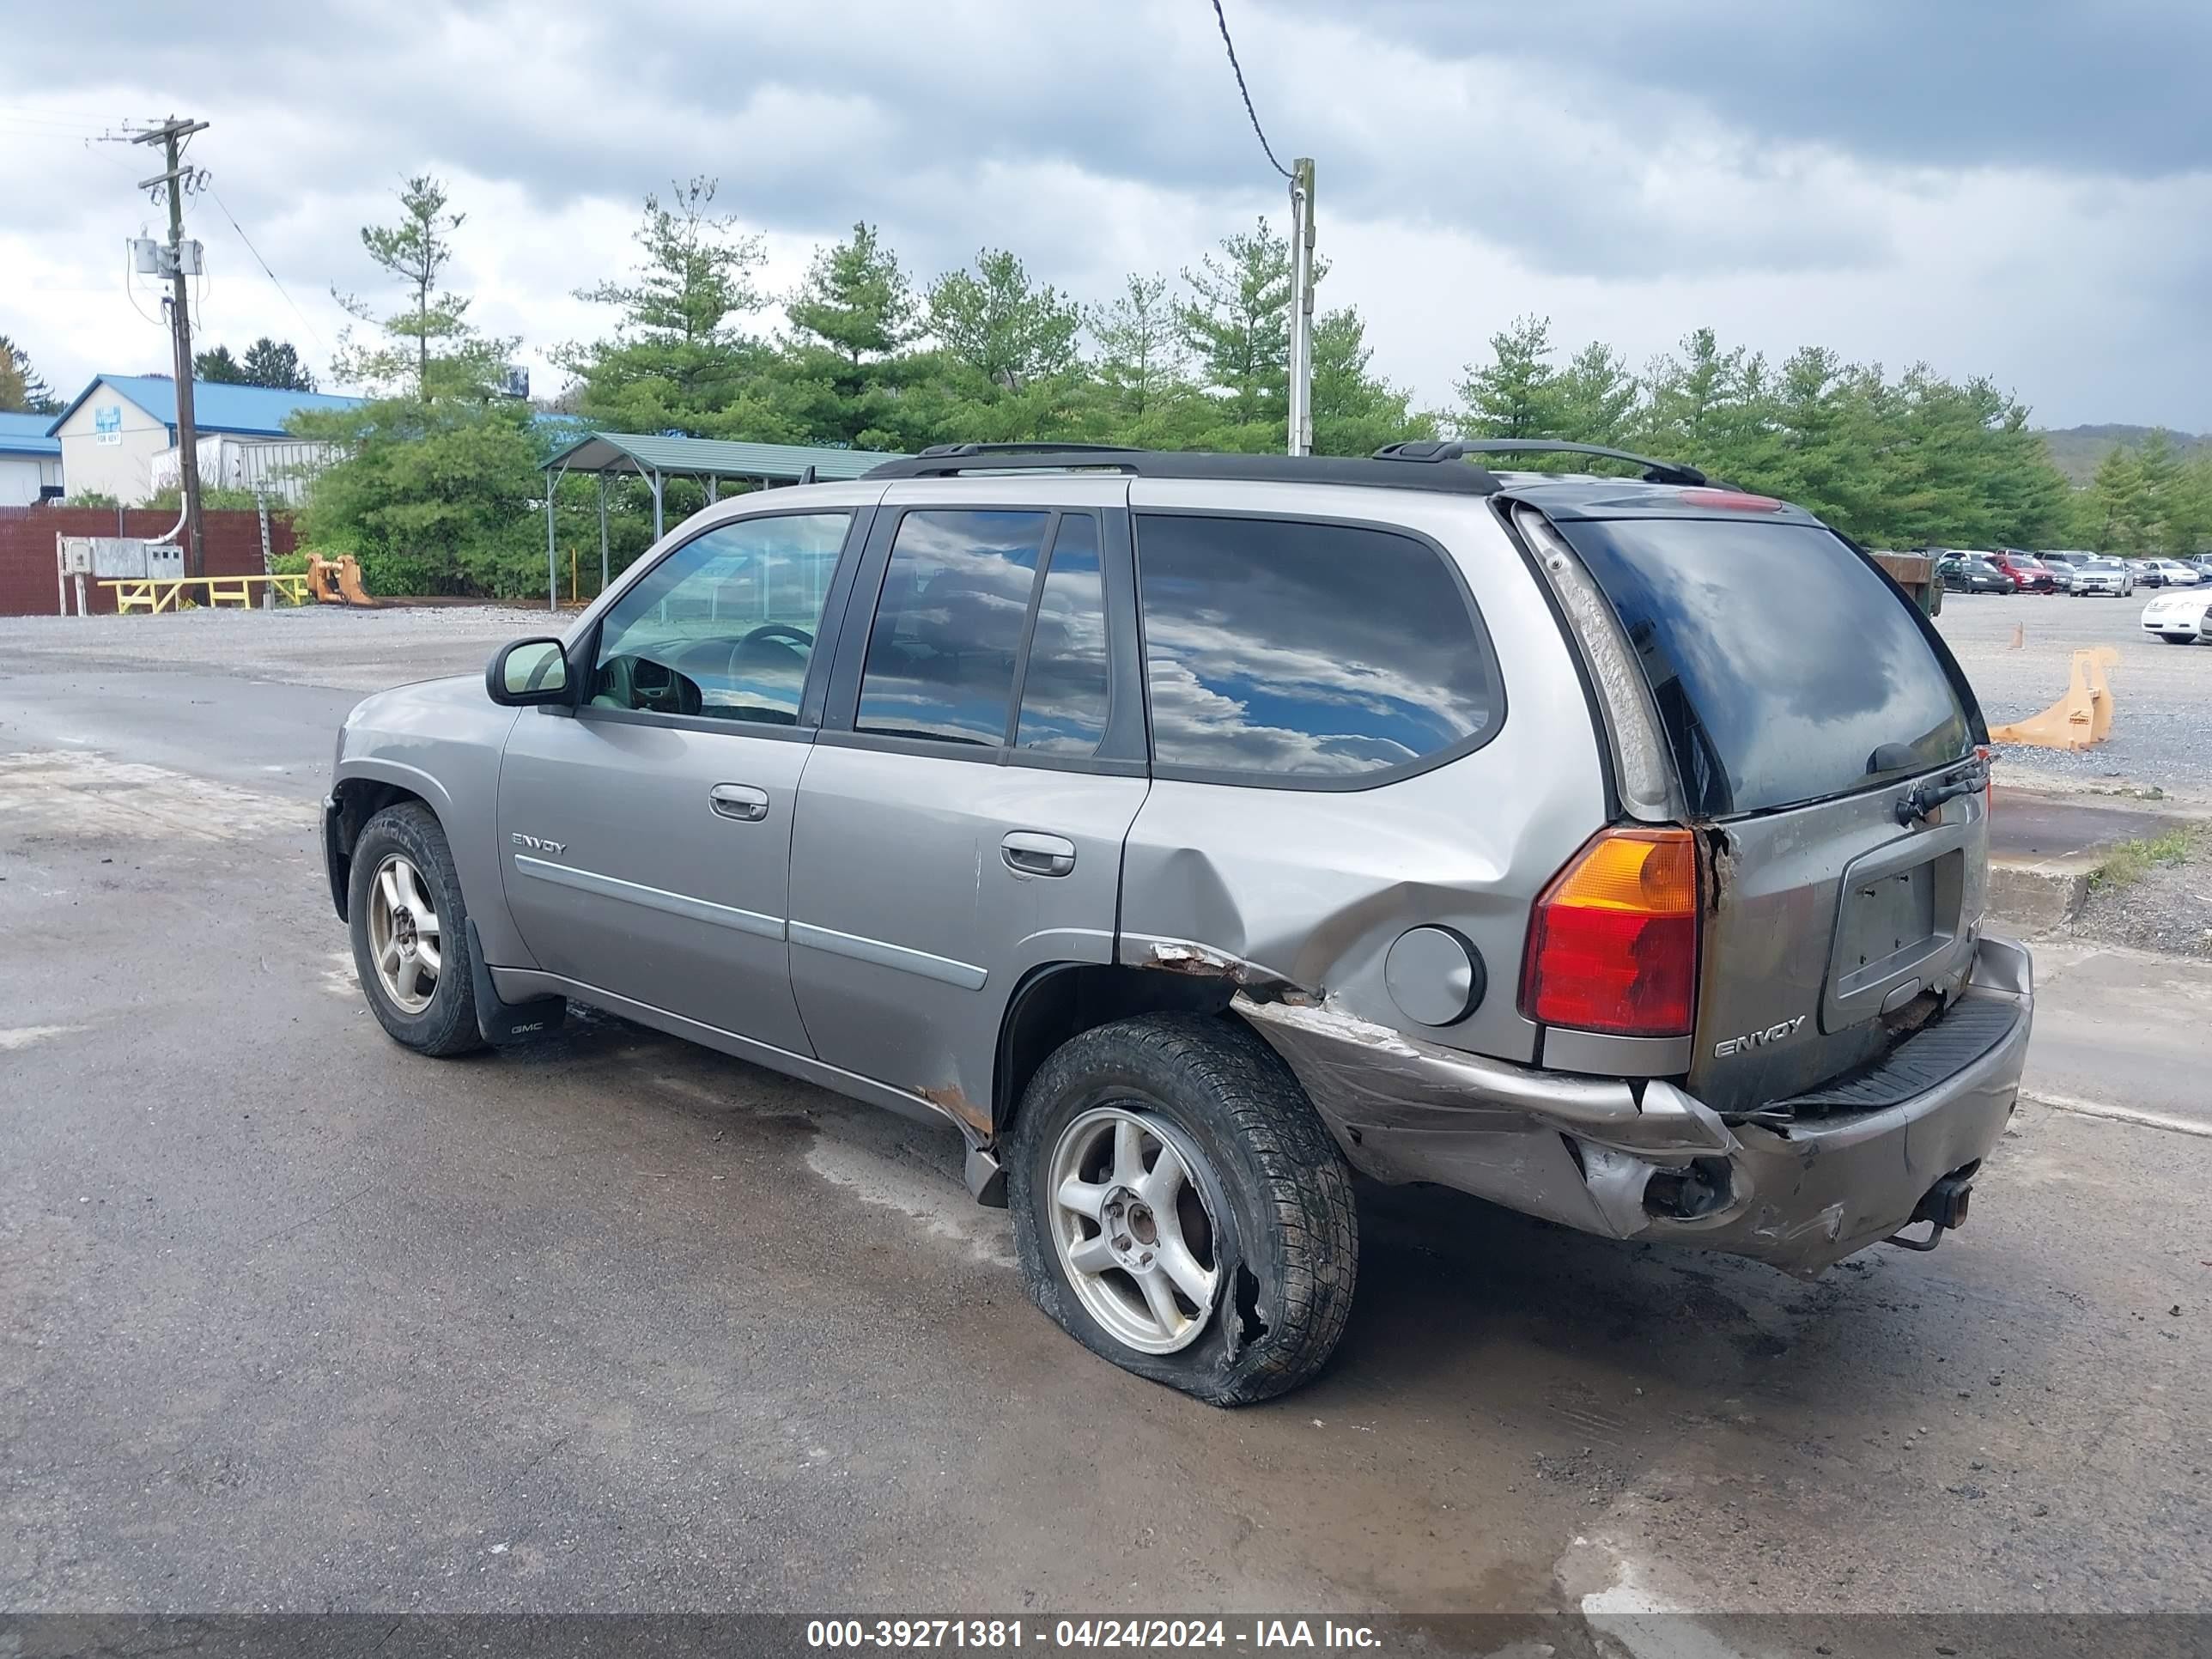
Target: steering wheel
x=778 y=631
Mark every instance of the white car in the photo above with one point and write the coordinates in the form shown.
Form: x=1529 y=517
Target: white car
x=2102 y=576
x=2179 y=618
x=2177 y=575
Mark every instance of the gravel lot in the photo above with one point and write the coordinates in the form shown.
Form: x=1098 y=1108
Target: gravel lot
x=314 y=645
x=2161 y=694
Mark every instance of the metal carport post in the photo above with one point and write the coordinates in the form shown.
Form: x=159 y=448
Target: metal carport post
x=552 y=559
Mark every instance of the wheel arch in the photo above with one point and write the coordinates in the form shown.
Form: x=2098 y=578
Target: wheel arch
x=1058 y=1001
x=357 y=798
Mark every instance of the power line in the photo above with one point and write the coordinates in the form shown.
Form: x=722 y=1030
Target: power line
x=266 y=270
x=1247 y=91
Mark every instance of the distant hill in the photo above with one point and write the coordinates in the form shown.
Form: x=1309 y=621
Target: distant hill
x=2077 y=449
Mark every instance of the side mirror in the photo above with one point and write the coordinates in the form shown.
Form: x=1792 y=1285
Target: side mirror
x=526 y=672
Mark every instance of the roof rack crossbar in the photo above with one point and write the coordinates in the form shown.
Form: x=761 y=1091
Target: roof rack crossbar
x=1433 y=449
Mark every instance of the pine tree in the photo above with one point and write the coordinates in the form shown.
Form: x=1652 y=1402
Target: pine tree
x=1517 y=394
x=997 y=320
x=23 y=390
x=855 y=300
x=1236 y=324
x=431 y=339
x=276 y=363
x=218 y=367
x=1141 y=359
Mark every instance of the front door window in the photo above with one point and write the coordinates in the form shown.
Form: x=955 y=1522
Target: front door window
x=723 y=627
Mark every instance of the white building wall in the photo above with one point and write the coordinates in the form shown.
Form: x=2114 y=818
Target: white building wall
x=20 y=477
x=117 y=463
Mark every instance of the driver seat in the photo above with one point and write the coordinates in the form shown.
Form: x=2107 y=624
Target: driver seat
x=617 y=686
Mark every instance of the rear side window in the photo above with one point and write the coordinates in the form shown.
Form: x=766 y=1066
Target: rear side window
x=1785 y=668
x=1314 y=655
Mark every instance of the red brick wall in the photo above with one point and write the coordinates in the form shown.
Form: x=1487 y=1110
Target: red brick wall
x=26 y=548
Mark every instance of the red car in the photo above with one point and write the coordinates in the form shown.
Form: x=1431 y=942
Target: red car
x=2026 y=570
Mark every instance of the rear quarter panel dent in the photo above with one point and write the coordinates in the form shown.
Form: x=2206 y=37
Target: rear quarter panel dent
x=1315 y=886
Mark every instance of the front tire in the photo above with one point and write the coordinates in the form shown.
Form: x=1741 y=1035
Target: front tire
x=1180 y=1208
x=410 y=932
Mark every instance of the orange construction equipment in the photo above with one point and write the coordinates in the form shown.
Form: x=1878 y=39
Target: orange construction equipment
x=336 y=581
x=2082 y=717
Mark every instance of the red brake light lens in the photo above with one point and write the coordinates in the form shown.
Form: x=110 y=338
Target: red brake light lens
x=1612 y=942
x=1736 y=501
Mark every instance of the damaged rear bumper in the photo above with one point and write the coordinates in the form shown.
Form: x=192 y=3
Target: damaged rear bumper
x=1644 y=1159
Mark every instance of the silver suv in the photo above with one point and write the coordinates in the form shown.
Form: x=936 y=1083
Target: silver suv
x=1189 y=831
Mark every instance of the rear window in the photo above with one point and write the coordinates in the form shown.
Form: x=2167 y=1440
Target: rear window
x=1785 y=669
x=1306 y=655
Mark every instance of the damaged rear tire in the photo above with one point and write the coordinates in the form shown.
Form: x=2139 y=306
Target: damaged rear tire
x=1180 y=1208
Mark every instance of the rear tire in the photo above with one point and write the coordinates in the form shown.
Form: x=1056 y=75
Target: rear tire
x=1257 y=1213
x=410 y=932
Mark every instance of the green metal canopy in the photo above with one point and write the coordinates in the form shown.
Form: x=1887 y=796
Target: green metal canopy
x=656 y=458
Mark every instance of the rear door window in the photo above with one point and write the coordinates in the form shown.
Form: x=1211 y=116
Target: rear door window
x=1307 y=654
x=948 y=627
x=1785 y=669
x=1065 y=681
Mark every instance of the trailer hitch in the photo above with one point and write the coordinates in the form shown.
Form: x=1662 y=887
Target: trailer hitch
x=1942 y=1206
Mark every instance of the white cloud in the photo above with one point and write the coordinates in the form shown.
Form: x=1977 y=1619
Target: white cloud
x=1469 y=173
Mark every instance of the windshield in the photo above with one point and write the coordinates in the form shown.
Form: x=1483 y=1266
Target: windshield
x=1785 y=667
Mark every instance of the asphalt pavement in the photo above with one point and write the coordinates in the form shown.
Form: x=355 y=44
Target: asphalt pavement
x=291 y=1319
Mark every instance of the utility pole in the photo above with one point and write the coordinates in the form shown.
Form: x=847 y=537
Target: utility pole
x=170 y=135
x=1301 y=305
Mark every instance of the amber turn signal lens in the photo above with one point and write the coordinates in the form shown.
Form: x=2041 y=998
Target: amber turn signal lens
x=1653 y=872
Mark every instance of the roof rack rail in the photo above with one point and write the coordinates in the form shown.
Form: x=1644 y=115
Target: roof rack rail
x=941 y=451
x=952 y=460
x=1433 y=449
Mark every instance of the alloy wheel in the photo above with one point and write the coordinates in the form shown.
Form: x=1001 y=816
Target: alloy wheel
x=404 y=938
x=1133 y=1228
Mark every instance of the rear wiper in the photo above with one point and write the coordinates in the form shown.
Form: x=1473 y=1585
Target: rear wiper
x=1925 y=797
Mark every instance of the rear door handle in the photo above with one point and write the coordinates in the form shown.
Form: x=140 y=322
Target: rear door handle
x=740 y=801
x=1029 y=853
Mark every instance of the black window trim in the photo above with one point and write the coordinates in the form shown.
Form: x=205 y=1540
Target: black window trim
x=1121 y=751
x=820 y=657
x=1318 y=783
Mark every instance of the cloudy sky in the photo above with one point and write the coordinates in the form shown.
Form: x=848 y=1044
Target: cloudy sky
x=2016 y=187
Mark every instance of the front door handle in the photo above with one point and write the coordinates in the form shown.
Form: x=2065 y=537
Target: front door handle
x=1029 y=853
x=740 y=801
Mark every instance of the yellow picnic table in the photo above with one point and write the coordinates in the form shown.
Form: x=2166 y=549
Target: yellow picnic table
x=154 y=593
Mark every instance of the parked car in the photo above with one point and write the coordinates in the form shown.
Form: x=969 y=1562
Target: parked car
x=1188 y=831
x=2026 y=570
x=2180 y=618
x=2201 y=567
x=2147 y=573
x=1975 y=575
x=2103 y=576
x=2061 y=566
x=2175 y=573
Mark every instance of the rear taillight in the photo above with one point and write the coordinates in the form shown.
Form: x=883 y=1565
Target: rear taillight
x=1613 y=942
